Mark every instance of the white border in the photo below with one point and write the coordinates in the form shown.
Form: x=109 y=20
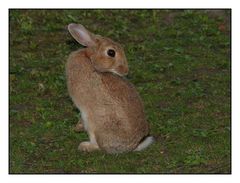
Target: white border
x=4 y=91
x=120 y=4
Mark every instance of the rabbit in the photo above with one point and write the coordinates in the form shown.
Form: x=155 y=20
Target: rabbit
x=111 y=109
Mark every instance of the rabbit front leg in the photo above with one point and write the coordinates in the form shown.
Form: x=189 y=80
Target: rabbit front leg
x=89 y=146
x=80 y=125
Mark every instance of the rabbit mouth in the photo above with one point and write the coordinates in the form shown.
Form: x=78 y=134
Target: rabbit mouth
x=114 y=72
x=118 y=73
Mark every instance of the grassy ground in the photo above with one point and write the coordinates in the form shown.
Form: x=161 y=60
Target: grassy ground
x=179 y=62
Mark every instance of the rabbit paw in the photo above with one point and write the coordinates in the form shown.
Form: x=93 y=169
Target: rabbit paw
x=79 y=127
x=87 y=147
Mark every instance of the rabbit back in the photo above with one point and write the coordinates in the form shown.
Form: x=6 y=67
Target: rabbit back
x=111 y=105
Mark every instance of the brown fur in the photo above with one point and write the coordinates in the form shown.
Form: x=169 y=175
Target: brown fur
x=114 y=111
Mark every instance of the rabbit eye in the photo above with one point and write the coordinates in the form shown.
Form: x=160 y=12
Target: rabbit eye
x=111 y=53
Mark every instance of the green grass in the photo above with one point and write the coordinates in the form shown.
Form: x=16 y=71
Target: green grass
x=179 y=62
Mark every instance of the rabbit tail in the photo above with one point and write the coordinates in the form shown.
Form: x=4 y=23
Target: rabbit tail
x=145 y=143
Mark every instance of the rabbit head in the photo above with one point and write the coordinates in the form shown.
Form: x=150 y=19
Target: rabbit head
x=105 y=54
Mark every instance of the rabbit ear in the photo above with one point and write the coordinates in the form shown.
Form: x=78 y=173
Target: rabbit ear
x=81 y=35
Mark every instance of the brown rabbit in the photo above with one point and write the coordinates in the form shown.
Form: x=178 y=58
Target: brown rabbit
x=111 y=110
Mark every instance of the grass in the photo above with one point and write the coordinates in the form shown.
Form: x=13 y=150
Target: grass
x=179 y=62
